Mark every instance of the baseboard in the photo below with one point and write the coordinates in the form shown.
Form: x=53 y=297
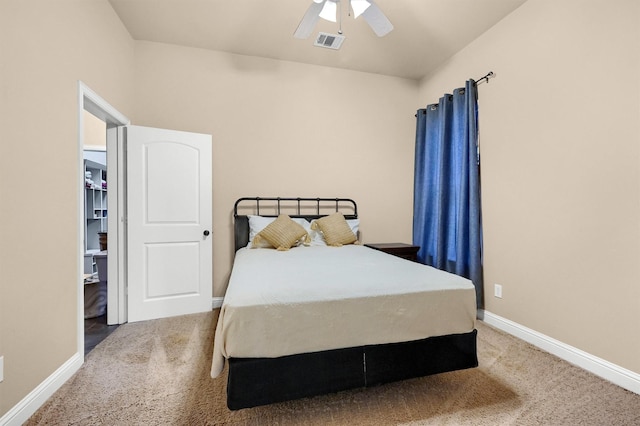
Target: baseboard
x=217 y=302
x=618 y=375
x=21 y=412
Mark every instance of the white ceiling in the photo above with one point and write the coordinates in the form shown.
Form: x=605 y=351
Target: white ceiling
x=427 y=32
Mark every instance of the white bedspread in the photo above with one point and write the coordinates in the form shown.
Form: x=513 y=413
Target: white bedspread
x=311 y=299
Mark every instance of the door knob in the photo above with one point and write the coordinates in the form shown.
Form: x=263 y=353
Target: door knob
x=206 y=232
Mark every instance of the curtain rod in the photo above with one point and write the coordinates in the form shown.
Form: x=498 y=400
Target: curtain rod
x=486 y=78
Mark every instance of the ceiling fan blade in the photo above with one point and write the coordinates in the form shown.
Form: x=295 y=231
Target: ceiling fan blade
x=309 y=20
x=377 y=20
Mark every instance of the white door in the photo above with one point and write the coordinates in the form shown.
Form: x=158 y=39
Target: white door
x=169 y=217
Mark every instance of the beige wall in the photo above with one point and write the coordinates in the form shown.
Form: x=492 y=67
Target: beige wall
x=46 y=47
x=560 y=126
x=286 y=129
x=95 y=131
x=560 y=137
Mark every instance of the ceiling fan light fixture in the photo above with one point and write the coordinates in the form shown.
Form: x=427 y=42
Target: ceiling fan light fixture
x=358 y=7
x=329 y=11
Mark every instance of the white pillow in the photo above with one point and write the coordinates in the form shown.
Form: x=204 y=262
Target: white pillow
x=258 y=223
x=354 y=224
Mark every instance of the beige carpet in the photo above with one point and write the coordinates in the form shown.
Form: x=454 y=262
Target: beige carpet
x=157 y=373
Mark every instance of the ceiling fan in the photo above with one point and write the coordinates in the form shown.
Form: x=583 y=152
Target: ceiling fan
x=327 y=9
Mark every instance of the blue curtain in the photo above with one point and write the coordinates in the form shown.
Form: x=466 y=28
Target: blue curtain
x=447 y=220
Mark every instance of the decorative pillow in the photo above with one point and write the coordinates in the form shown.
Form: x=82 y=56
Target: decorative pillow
x=335 y=230
x=258 y=223
x=316 y=235
x=282 y=233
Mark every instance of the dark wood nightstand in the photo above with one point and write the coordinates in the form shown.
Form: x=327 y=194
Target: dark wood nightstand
x=405 y=251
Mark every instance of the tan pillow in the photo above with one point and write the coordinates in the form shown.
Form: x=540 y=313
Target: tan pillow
x=283 y=233
x=335 y=230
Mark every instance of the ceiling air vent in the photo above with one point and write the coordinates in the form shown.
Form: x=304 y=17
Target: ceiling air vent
x=330 y=41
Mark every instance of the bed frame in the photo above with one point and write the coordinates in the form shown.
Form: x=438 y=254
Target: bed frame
x=259 y=381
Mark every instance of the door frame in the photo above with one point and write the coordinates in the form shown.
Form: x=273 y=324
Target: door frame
x=90 y=101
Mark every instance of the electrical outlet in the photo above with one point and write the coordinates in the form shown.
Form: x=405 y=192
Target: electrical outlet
x=1 y=368
x=497 y=291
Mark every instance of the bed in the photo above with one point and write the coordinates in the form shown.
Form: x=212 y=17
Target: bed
x=316 y=319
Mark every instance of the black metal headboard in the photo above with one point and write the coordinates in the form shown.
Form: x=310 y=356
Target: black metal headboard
x=307 y=208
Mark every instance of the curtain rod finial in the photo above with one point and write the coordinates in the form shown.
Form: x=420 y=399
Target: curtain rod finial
x=486 y=78
x=490 y=75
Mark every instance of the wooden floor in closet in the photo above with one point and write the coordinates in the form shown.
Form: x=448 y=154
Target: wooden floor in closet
x=95 y=331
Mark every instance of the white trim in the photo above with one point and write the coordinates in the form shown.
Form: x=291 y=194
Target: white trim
x=81 y=215
x=96 y=105
x=598 y=366
x=116 y=294
x=90 y=101
x=21 y=412
x=216 y=302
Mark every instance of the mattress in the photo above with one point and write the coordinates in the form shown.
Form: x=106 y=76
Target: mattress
x=311 y=299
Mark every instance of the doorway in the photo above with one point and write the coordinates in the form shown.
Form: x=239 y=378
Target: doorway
x=96 y=327
x=94 y=112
